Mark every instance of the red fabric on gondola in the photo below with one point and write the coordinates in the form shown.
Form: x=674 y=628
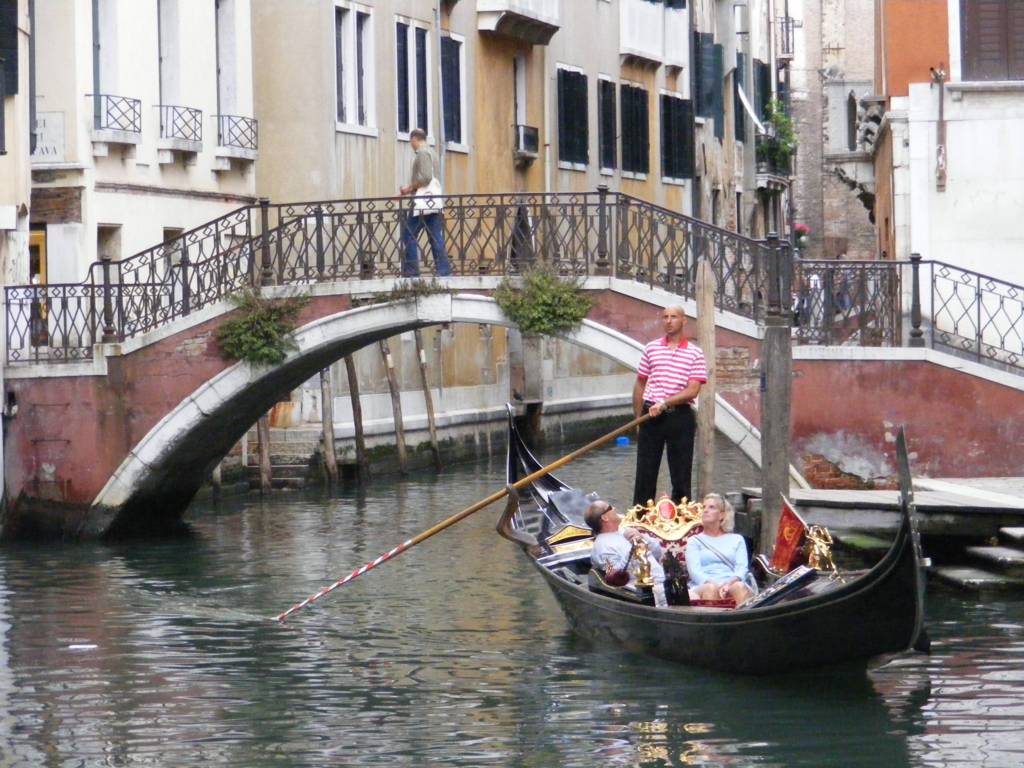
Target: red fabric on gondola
x=789 y=541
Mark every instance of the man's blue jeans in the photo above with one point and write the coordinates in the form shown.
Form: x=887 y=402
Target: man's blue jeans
x=435 y=233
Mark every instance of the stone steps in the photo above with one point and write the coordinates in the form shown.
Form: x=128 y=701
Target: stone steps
x=1008 y=561
x=976 y=579
x=1012 y=536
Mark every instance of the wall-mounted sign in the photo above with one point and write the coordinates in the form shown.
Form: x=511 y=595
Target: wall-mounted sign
x=50 y=138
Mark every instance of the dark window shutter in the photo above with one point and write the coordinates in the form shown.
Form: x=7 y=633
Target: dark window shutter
x=564 y=138
x=606 y=123
x=582 y=114
x=718 y=85
x=763 y=87
x=422 y=113
x=645 y=139
x=687 y=142
x=451 y=93
x=402 y=74
x=739 y=81
x=708 y=69
x=9 y=46
x=993 y=39
x=666 y=135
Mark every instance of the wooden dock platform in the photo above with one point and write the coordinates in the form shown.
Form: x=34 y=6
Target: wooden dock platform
x=952 y=509
x=989 y=511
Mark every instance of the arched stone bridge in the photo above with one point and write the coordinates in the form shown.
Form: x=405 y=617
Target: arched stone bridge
x=118 y=401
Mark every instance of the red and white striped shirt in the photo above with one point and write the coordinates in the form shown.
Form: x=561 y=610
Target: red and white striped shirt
x=669 y=369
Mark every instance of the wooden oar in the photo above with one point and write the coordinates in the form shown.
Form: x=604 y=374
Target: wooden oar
x=497 y=495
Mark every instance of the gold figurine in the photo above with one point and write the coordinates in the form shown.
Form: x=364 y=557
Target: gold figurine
x=640 y=563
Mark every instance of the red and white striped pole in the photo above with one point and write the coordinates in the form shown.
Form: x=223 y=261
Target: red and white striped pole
x=496 y=496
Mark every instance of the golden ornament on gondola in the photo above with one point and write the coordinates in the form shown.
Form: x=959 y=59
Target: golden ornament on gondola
x=640 y=563
x=819 y=551
x=666 y=520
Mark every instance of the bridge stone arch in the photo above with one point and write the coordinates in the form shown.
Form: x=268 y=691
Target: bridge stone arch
x=161 y=473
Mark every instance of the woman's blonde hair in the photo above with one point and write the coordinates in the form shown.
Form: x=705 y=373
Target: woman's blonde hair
x=729 y=514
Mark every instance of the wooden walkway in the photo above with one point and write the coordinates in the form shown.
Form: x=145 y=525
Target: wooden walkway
x=944 y=507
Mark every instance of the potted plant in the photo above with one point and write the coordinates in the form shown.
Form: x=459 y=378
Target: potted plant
x=803 y=235
x=777 y=145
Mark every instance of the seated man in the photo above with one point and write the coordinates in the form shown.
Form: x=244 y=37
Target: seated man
x=716 y=559
x=613 y=548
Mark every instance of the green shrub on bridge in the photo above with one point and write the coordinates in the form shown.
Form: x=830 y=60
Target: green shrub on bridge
x=260 y=332
x=545 y=303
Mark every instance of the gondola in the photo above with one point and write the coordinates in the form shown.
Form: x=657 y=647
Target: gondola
x=826 y=622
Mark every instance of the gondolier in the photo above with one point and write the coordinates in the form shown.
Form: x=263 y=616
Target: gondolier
x=668 y=380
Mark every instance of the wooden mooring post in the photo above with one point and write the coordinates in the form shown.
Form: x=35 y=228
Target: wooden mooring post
x=266 y=471
x=327 y=425
x=706 y=411
x=776 y=391
x=427 y=398
x=357 y=418
x=396 y=405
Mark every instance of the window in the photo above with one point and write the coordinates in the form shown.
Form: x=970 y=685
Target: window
x=402 y=74
x=606 y=124
x=851 y=122
x=339 y=61
x=573 y=122
x=635 y=129
x=411 y=80
x=353 y=59
x=992 y=33
x=677 y=145
x=453 y=69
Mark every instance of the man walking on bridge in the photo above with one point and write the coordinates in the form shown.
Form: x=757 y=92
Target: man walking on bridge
x=427 y=203
x=668 y=381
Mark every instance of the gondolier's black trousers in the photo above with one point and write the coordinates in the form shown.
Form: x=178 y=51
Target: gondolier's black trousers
x=675 y=431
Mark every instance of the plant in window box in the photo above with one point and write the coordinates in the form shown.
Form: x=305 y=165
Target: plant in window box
x=803 y=235
x=777 y=145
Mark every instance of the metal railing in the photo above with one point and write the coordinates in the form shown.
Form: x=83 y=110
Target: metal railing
x=785 y=48
x=578 y=234
x=236 y=131
x=183 y=123
x=975 y=315
x=116 y=113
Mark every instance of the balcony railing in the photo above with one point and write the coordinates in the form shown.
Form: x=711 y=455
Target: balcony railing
x=116 y=113
x=239 y=132
x=181 y=123
x=784 y=38
x=527 y=142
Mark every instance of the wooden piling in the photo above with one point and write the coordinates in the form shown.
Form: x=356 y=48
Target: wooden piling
x=706 y=411
x=327 y=425
x=216 y=481
x=396 y=405
x=357 y=418
x=266 y=472
x=776 y=392
x=427 y=398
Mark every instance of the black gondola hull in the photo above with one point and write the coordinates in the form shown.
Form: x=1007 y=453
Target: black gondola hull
x=878 y=612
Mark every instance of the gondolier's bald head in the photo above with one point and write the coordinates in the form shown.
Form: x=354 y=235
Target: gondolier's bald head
x=598 y=518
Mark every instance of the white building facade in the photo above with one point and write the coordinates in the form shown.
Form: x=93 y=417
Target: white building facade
x=144 y=123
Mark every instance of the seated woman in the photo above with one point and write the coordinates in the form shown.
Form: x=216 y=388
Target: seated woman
x=717 y=559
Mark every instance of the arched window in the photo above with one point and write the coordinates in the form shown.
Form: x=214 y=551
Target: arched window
x=851 y=122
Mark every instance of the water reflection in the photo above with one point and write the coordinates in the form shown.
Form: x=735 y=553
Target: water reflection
x=454 y=654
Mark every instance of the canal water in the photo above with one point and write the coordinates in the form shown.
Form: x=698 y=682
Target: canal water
x=164 y=653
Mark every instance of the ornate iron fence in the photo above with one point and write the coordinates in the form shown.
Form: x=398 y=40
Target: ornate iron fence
x=977 y=315
x=578 y=234
x=846 y=302
x=236 y=131
x=183 y=123
x=117 y=113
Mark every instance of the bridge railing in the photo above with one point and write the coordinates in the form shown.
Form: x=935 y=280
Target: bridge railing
x=579 y=234
x=975 y=315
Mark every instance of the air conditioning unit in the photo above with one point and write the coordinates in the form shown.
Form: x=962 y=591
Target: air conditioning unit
x=527 y=143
